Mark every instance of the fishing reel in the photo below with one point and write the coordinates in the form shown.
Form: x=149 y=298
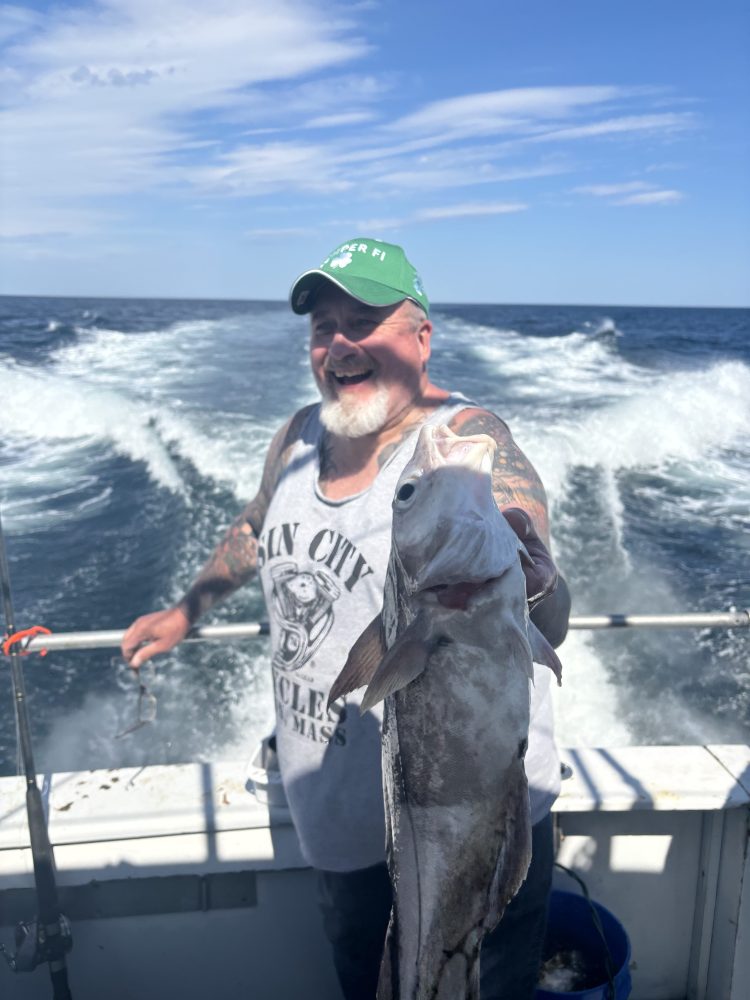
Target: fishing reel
x=36 y=945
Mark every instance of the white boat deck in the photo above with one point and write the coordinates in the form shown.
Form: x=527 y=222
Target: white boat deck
x=170 y=873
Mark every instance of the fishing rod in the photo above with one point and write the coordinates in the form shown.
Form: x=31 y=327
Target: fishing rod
x=47 y=938
x=112 y=638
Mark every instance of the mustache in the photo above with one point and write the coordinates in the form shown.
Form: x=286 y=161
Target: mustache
x=346 y=368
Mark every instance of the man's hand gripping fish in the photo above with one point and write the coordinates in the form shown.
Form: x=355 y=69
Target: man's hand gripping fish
x=451 y=653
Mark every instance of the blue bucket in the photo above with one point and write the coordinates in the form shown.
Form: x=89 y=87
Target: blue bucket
x=571 y=927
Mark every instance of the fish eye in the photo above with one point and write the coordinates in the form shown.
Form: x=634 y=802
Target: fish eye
x=405 y=494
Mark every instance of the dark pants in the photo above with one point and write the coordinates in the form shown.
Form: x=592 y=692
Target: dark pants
x=356 y=907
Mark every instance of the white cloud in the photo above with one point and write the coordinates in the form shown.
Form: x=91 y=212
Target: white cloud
x=335 y=121
x=274 y=166
x=122 y=97
x=103 y=100
x=470 y=209
x=38 y=220
x=631 y=193
x=652 y=198
x=16 y=21
x=330 y=167
x=663 y=124
x=441 y=213
x=461 y=168
x=608 y=190
x=199 y=53
x=502 y=110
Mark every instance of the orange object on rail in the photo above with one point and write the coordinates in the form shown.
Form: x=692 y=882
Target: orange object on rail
x=27 y=634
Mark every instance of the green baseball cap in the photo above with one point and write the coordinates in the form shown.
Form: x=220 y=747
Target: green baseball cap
x=371 y=271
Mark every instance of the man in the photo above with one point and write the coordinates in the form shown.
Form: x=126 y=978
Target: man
x=318 y=533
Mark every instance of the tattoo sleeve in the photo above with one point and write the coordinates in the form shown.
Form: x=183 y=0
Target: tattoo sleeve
x=235 y=559
x=515 y=482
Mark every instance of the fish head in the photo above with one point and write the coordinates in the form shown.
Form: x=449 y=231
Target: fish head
x=447 y=529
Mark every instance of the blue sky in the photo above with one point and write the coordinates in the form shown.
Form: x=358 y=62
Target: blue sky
x=550 y=151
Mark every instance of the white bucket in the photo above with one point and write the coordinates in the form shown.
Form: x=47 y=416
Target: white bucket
x=263 y=777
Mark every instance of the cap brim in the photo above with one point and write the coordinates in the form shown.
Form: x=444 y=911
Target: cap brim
x=307 y=287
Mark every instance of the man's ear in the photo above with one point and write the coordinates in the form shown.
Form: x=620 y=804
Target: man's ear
x=424 y=338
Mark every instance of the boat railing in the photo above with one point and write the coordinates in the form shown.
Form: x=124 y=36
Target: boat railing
x=109 y=639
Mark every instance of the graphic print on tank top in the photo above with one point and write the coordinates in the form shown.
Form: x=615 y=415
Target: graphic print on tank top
x=302 y=604
x=307 y=578
x=314 y=577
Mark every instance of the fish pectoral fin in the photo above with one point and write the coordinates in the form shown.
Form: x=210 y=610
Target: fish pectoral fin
x=542 y=652
x=362 y=662
x=404 y=661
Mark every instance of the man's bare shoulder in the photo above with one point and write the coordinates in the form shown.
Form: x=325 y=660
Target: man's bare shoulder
x=515 y=482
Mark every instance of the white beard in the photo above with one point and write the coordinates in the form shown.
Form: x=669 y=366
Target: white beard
x=352 y=418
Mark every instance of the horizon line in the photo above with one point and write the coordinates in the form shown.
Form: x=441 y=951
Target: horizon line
x=433 y=305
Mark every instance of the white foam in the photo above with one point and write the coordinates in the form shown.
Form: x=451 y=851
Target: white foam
x=574 y=367
x=586 y=705
x=681 y=418
x=606 y=326
x=189 y=725
x=39 y=510
x=56 y=422
x=231 y=451
x=42 y=406
x=150 y=361
x=164 y=368
x=573 y=403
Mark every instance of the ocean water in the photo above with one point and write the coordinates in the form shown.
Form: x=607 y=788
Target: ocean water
x=134 y=430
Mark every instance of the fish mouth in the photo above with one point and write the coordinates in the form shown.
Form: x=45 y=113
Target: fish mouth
x=444 y=447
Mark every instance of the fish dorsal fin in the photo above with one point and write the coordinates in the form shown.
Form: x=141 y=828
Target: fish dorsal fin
x=542 y=652
x=404 y=661
x=362 y=662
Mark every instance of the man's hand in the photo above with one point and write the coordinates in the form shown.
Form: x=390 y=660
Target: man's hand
x=547 y=591
x=540 y=571
x=155 y=633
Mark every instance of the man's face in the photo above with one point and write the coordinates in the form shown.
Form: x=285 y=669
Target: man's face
x=368 y=361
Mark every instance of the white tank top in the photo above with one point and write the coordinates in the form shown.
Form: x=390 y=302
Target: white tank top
x=322 y=566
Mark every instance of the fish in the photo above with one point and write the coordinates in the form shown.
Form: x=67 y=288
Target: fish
x=451 y=654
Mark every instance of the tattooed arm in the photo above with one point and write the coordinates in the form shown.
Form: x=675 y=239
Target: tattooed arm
x=520 y=496
x=235 y=559
x=232 y=564
x=515 y=482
